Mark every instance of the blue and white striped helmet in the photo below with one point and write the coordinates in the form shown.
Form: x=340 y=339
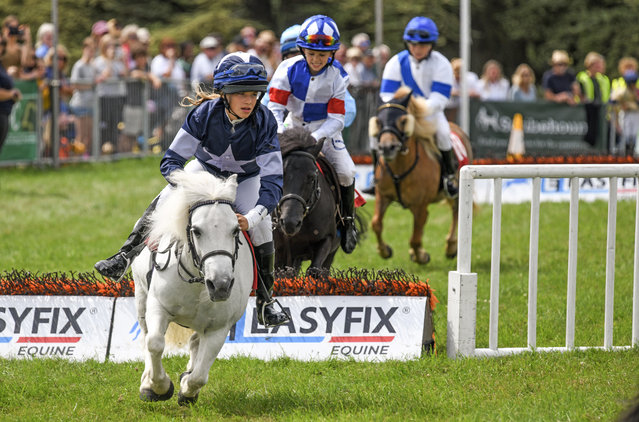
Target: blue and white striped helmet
x=240 y=72
x=319 y=32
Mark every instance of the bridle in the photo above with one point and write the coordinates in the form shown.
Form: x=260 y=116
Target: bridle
x=393 y=111
x=198 y=261
x=316 y=191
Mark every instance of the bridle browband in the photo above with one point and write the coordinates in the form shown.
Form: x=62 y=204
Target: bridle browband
x=198 y=261
x=315 y=193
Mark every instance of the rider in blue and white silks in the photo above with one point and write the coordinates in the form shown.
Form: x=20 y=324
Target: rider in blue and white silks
x=228 y=132
x=309 y=90
x=430 y=75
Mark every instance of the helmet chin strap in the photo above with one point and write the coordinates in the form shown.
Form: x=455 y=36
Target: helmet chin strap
x=227 y=106
x=425 y=57
x=328 y=63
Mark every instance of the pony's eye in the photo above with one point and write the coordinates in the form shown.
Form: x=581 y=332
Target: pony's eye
x=236 y=231
x=196 y=232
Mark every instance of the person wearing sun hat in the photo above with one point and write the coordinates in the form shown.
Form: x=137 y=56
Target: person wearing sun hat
x=205 y=62
x=559 y=82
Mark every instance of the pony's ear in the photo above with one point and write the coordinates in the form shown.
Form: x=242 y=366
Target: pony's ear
x=374 y=126
x=404 y=100
x=406 y=124
x=319 y=146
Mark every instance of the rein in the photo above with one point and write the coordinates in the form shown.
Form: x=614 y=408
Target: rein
x=391 y=109
x=316 y=190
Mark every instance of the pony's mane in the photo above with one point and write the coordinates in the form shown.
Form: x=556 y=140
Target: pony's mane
x=417 y=106
x=296 y=139
x=171 y=216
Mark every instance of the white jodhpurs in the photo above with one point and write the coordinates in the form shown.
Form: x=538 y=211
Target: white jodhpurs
x=337 y=154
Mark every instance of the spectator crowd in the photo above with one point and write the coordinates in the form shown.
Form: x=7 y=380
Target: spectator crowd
x=118 y=75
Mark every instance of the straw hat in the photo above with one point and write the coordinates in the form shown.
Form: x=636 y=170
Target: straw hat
x=560 y=57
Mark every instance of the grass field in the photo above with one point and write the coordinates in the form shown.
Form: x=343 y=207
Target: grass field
x=66 y=219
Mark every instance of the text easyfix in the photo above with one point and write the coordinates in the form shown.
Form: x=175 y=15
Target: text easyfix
x=370 y=320
x=55 y=320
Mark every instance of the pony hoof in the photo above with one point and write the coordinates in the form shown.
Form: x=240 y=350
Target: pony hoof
x=186 y=401
x=451 y=255
x=420 y=256
x=386 y=252
x=149 y=395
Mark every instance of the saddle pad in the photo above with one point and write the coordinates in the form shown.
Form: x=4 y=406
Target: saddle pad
x=460 y=150
x=248 y=239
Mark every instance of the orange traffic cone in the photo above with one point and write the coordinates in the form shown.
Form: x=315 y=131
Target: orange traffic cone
x=516 y=146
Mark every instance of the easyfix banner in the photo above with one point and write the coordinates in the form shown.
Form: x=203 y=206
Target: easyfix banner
x=69 y=327
x=366 y=328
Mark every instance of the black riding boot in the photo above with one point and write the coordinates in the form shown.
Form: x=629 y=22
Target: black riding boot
x=371 y=189
x=267 y=315
x=448 y=174
x=115 y=266
x=348 y=230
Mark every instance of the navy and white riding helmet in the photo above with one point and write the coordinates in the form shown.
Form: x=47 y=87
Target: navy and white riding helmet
x=319 y=32
x=288 y=39
x=421 y=30
x=240 y=72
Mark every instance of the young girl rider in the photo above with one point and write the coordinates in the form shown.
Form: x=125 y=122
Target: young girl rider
x=311 y=87
x=430 y=75
x=228 y=132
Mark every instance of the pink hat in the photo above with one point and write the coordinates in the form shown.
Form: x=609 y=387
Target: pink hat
x=99 y=28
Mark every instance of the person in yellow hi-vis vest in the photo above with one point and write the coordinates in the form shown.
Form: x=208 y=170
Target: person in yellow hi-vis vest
x=625 y=100
x=595 y=89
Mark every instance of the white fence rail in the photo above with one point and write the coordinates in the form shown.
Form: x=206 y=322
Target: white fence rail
x=462 y=284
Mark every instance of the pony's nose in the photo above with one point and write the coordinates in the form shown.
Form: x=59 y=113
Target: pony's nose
x=290 y=226
x=219 y=291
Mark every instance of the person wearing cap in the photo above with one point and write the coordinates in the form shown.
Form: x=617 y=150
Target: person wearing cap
x=205 y=63
x=99 y=30
x=227 y=132
x=559 y=83
x=625 y=100
x=430 y=76
x=288 y=49
x=309 y=91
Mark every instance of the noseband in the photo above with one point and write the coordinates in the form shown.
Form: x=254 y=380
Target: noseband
x=316 y=190
x=198 y=260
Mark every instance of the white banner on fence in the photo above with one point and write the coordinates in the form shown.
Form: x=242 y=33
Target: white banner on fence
x=368 y=328
x=69 y=327
x=557 y=190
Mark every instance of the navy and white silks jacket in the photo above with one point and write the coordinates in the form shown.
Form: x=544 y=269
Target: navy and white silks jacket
x=249 y=149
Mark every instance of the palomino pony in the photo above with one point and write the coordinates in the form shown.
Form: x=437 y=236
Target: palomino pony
x=200 y=277
x=409 y=167
x=306 y=216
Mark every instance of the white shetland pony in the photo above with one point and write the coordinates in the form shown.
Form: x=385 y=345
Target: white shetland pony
x=200 y=276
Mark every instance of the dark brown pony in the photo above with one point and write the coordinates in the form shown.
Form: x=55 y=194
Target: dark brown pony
x=306 y=215
x=409 y=170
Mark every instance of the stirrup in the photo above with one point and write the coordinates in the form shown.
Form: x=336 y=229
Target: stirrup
x=261 y=314
x=450 y=189
x=124 y=271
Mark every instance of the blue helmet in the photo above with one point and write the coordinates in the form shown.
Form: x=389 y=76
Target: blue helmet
x=240 y=72
x=288 y=39
x=421 y=30
x=319 y=32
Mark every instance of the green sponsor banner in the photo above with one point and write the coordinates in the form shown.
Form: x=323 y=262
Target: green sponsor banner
x=22 y=140
x=549 y=128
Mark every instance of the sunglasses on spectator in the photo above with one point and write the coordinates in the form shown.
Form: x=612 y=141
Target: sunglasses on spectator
x=325 y=40
x=560 y=64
